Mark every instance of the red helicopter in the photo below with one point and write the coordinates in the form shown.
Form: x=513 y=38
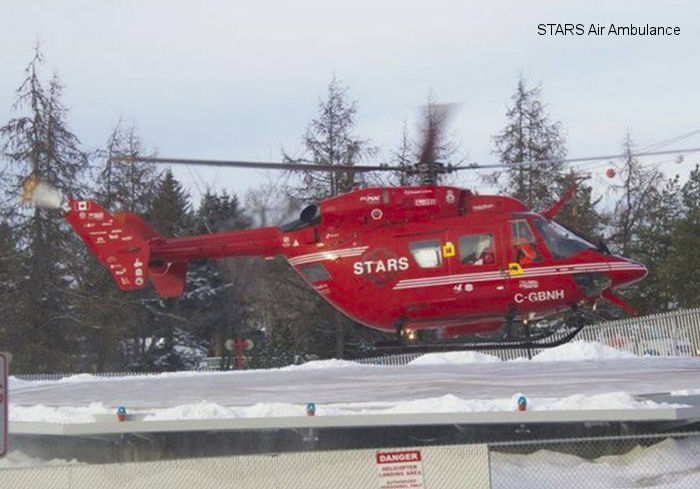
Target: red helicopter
x=396 y=259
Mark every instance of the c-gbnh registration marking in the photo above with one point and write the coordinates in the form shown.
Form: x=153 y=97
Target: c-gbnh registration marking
x=540 y=296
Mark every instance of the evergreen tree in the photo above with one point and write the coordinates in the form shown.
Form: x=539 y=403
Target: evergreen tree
x=655 y=242
x=403 y=157
x=110 y=313
x=530 y=136
x=10 y=266
x=420 y=160
x=155 y=335
x=329 y=140
x=681 y=268
x=171 y=212
x=126 y=186
x=434 y=147
x=580 y=214
x=216 y=299
x=641 y=225
x=39 y=141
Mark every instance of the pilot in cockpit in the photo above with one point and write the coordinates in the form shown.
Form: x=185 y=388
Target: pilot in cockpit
x=481 y=251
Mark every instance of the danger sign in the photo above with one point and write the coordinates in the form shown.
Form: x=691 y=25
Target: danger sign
x=400 y=470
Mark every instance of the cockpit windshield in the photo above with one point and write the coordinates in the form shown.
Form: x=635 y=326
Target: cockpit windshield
x=560 y=241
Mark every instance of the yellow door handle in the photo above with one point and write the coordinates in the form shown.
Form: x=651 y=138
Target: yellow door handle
x=448 y=250
x=515 y=269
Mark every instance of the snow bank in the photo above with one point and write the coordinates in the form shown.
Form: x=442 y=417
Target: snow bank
x=211 y=410
x=454 y=358
x=686 y=392
x=453 y=404
x=200 y=410
x=569 y=352
x=60 y=415
x=442 y=404
x=271 y=409
x=611 y=400
x=323 y=364
x=581 y=351
x=668 y=464
x=17 y=459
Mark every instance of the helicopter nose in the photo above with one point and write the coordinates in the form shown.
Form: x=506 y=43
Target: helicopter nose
x=627 y=272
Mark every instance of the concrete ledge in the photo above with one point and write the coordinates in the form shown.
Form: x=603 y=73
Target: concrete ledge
x=356 y=421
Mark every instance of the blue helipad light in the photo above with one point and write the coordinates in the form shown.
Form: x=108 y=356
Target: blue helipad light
x=311 y=409
x=121 y=413
x=522 y=403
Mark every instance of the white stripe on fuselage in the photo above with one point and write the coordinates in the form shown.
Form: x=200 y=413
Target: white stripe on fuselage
x=527 y=273
x=530 y=272
x=327 y=255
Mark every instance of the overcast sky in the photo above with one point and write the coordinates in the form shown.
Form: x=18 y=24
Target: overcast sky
x=240 y=80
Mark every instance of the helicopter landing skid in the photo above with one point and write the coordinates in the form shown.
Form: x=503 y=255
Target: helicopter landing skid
x=554 y=336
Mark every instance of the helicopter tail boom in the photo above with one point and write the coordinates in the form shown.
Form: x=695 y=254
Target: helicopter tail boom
x=134 y=253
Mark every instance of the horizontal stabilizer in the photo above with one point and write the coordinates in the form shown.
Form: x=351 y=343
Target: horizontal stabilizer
x=169 y=280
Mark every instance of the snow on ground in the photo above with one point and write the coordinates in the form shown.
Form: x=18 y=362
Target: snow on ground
x=482 y=388
x=665 y=465
x=454 y=357
x=581 y=351
x=323 y=364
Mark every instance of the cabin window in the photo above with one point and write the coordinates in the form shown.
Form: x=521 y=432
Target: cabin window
x=524 y=244
x=426 y=253
x=314 y=272
x=476 y=249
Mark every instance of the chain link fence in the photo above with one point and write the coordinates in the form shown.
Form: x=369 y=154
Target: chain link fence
x=675 y=333
x=447 y=467
x=659 y=461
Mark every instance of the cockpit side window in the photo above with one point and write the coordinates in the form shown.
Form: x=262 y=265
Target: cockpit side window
x=476 y=249
x=561 y=242
x=524 y=243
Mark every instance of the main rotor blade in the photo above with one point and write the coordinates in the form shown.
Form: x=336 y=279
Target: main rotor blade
x=435 y=118
x=298 y=165
x=305 y=165
x=479 y=166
